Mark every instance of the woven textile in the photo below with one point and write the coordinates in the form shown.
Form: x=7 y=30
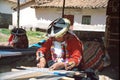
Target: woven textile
x=93 y=55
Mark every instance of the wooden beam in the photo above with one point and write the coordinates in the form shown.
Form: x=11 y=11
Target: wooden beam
x=18 y=12
x=63 y=8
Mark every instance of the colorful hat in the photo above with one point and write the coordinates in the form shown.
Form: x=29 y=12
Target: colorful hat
x=58 y=27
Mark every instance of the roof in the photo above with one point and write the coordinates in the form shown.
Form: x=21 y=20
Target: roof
x=22 y=2
x=71 y=4
x=15 y=1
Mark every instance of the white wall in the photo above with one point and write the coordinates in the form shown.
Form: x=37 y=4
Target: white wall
x=45 y=16
x=98 y=16
x=41 y=17
x=32 y=17
x=27 y=16
x=5 y=7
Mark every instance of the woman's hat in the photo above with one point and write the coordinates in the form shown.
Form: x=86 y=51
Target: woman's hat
x=58 y=27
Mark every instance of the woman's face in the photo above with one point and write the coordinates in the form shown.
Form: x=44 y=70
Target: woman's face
x=60 y=39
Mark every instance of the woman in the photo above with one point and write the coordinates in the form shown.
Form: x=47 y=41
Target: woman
x=62 y=50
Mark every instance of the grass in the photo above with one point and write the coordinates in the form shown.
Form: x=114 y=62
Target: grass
x=33 y=36
x=5 y=31
x=4 y=35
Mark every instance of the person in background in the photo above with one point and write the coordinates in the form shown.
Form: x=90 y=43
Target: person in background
x=62 y=49
x=18 y=38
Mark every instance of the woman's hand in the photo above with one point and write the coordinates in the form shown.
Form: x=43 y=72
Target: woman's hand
x=57 y=65
x=69 y=65
x=41 y=63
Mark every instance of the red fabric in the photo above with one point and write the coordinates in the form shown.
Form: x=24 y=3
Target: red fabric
x=10 y=39
x=74 y=48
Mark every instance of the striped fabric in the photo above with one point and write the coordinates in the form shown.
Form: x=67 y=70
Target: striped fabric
x=93 y=55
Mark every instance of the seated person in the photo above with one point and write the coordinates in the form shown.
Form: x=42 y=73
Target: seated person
x=62 y=50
